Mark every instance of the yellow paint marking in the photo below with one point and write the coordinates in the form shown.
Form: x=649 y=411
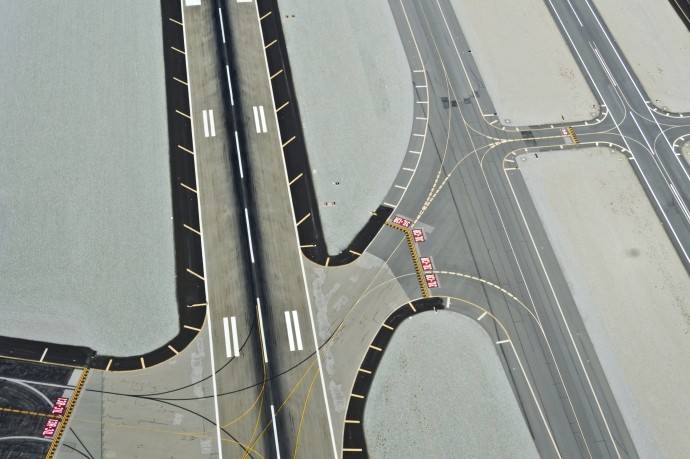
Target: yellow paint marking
x=276 y=74
x=68 y=411
x=306 y=246
x=195 y=274
x=110 y=362
x=189 y=327
x=352 y=450
x=180 y=81
x=176 y=22
x=188 y=187
x=375 y=348
x=352 y=421
x=328 y=260
x=173 y=349
x=365 y=371
x=412 y=306
x=291 y=139
x=191 y=229
x=388 y=327
x=184 y=149
x=178 y=50
x=357 y=395
x=196 y=305
x=355 y=253
x=31 y=413
x=271 y=43
x=296 y=178
x=143 y=365
x=183 y=114
x=303 y=218
x=265 y=15
x=282 y=106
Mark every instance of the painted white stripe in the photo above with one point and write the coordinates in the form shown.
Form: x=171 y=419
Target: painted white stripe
x=43 y=356
x=227 y=73
x=244 y=1
x=482 y=316
x=192 y=2
x=212 y=123
x=205 y=115
x=222 y=28
x=273 y=411
x=226 y=332
x=261 y=330
x=249 y=233
x=298 y=333
x=256 y=119
x=239 y=158
x=235 y=338
x=288 y=325
x=263 y=119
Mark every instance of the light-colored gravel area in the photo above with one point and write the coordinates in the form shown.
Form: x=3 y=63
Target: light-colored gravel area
x=656 y=43
x=528 y=70
x=440 y=391
x=354 y=89
x=629 y=285
x=86 y=238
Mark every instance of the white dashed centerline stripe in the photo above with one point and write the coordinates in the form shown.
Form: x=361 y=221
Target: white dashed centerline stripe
x=212 y=123
x=222 y=28
x=288 y=325
x=298 y=333
x=227 y=73
x=249 y=234
x=239 y=158
x=261 y=330
x=275 y=428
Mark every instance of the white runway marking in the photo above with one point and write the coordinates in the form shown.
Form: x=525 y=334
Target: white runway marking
x=227 y=72
x=212 y=123
x=231 y=337
x=226 y=332
x=288 y=325
x=273 y=413
x=192 y=2
x=260 y=119
x=222 y=28
x=261 y=329
x=249 y=234
x=205 y=115
x=298 y=333
x=239 y=158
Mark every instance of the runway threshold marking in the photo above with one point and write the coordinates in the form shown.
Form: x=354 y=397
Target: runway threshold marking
x=260 y=119
x=290 y=323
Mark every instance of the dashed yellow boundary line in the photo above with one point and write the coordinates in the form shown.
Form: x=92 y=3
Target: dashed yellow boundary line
x=415 y=256
x=32 y=413
x=68 y=410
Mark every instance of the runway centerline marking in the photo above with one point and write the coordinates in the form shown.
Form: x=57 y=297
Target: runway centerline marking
x=261 y=330
x=222 y=27
x=273 y=411
x=227 y=73
x=239 y=158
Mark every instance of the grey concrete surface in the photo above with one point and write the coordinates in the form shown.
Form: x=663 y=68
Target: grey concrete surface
x=440 y=391
x=86 y=237
x=529 y=72
x=355 y=93
x=656 y=43
x=629 y=285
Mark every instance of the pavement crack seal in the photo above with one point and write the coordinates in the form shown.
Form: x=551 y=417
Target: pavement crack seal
x=415 y=256
x=68 y=412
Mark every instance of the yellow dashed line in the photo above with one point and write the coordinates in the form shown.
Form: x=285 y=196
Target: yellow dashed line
x=30 y=413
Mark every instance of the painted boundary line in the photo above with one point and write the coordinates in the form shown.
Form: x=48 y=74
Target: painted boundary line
x=68 y=411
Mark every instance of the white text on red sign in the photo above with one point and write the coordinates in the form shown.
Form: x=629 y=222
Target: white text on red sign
x=431 y=280
x=49 y=428
x=418 y=235
x=427 y=264
x=59 y=406
x=398 y=220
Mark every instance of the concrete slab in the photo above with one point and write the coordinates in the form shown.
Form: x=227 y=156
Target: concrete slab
x=629 y=285
x=354 y=90
x=656 y=43
x=530 y=74
x=86 y=238
x=424 y=403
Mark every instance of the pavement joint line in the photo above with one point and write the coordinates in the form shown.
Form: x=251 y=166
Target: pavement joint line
x=282 y=106
x=196 y=275
x=191 y=229
x=68 y=411
x=296 y=178
x=277 y=73
x=185 y=149
x=173 y=349
x=265 y=16
x=180 y=81
x=178 y=50
x=176 y=21
x=188 y=187
x=289 y=140
x=271 y=43
x=189 y=327
x=183 y=114
x=376 y=348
